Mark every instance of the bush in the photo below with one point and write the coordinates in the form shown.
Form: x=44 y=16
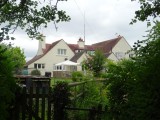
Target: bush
x=35 y=72
x=77 y=76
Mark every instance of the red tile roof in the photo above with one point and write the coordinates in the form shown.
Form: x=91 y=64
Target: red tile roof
x=105 y=46
x=76 y=47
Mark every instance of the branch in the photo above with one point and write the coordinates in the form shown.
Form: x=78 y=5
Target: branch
x=55 y=26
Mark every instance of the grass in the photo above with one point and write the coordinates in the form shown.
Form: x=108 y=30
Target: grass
x=55 y=80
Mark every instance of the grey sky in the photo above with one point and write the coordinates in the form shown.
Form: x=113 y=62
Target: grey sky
x=104 y=19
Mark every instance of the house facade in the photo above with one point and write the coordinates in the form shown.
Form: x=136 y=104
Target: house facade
x=48 y=55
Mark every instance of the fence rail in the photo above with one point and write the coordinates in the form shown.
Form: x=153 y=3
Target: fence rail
x=36 y=103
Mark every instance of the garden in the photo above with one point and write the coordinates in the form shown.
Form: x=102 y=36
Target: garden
x=124 y=90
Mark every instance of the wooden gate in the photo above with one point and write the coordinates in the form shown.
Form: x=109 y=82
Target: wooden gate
x=32 y=104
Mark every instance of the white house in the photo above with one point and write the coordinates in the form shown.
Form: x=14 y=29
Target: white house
x=48 y=55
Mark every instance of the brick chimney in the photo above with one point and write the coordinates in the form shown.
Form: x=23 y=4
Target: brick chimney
x=81 y=43
x=42 y=45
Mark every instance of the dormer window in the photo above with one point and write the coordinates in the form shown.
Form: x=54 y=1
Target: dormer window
x=61 y=51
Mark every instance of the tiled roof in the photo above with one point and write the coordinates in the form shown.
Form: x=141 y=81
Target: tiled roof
x=76 y=47
x=76 y=56
x=73 y=47
x=48 y=48
x=106 y=46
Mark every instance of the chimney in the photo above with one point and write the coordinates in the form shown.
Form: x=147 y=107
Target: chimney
x=42 y=45
x=81 y=43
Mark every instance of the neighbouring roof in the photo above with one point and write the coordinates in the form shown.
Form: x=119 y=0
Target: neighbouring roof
x=76 y=56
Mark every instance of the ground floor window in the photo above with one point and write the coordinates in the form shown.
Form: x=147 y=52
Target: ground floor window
x=59 y=68
x=39 y=65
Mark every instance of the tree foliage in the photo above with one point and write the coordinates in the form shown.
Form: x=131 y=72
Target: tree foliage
x=7 y=82
x=134 y=84
x=35 y=72
x=29 y=15
x=148 y=8
x=95 y=62
x=18 y=58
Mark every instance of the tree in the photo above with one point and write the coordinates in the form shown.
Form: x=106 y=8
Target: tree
x=134 y=84
x=36 y=72
x=18 y=58
x=147 y=57
x=121 y=82
x=148 y=8
x=29 y=15
x=7 y=82
x=95 y=62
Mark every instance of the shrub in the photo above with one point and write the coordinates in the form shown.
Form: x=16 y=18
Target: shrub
x=35 y=72
x=77 y=76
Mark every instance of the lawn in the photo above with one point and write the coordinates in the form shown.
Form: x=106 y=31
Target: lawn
x=54 y=80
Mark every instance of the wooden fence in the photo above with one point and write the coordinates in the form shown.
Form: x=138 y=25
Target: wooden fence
x=36 y=104
x=31 y=105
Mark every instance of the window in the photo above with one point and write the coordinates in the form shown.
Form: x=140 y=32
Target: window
x=39 y=66
x=35 y=66
x=43 y=66
x=120 y=55
x=61 y=51
x=58 y=68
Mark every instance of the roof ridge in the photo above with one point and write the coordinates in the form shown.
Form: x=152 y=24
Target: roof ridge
x=117 y=38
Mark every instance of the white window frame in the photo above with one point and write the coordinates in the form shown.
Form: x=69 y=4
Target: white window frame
x=61 y=51
x=39 y=65
x=120 y=55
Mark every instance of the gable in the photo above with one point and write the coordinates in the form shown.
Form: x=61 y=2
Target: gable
x=122 y=47
x=50 y=51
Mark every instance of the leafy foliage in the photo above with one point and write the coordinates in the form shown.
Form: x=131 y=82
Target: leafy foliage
x=77 y=76
x=18 y=58
x=95 y=63
x=35 y=72
x=7 y=83
x=148 y=8
x=134 y=84
x=120 y=84
x=28 y=15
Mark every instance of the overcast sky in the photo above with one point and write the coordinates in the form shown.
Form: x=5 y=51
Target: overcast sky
x=104 y=19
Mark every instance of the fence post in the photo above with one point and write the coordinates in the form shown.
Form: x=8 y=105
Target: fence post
x=92 y=114
x=60 y=100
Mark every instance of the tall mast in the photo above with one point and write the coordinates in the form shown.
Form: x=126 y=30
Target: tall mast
x=84 y=27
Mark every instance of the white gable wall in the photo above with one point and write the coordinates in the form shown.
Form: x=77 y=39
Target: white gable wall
x=112 y=57
x=52 y=57
x=80 y=60
x=122 y=47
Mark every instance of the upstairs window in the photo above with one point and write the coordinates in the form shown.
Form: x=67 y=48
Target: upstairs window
x=120 y=55
x=61 y=51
